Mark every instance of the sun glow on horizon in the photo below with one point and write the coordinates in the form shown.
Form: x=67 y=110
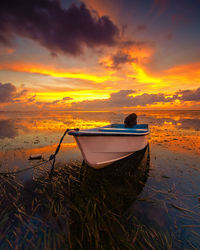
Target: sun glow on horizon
x=162 y=83
x=76 y=96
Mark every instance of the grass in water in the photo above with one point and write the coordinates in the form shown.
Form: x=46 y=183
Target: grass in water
x=78 y=208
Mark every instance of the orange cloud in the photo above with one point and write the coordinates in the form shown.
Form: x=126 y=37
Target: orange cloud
x=134 y=76
x=131 y=51
x=143 y=77
x=177 y=77
x=185 y=72
x=142 y=52
x=61 y=73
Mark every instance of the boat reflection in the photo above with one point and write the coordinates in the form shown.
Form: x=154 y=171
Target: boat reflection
x=122 y=181
x=102 y=199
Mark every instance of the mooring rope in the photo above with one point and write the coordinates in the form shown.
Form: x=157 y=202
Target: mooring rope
x=25 y=169
x=52 y=157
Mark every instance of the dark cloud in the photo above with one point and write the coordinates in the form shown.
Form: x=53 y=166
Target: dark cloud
x=61 y=101
x=56 y=28
x=7 y=92
x=122 y=99
x=67 y=98
x=189 y=95
x=32 y=99
x=125 y=53
x=55 y=102
x=121 y=58
x=138 y=44
x=145 y=99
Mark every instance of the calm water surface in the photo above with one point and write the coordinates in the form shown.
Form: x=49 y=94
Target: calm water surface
x=171 y=197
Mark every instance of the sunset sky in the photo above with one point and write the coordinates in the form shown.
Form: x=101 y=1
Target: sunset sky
x=99 y=54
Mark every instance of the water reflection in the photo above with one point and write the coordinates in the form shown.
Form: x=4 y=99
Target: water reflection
x=55 y=121
x=101 y=200
x=122 y=180
x=39 y=208
x=190 y=123
x=24 y=133
x=175 y=161
x=179 y=119
x=8 y=129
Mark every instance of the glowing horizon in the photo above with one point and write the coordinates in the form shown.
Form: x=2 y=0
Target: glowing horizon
x=142 y=65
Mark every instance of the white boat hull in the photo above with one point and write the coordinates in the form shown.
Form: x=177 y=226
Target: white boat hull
x=101 y=151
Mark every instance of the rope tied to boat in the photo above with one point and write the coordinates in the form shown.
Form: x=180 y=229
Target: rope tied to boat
x=52 y=157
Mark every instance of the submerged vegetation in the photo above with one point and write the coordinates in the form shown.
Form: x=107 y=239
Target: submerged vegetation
x=117 y=208
x=78 y=208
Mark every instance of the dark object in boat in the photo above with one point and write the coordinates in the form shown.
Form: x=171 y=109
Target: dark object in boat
x=35 y=157
x=130 y=120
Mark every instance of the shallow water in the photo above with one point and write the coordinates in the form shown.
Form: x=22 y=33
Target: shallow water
x=170 y=199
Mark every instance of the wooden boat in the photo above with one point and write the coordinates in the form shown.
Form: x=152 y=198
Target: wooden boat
x=104 y=145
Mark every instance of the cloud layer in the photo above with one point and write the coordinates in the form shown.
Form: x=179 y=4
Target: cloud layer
x=12 y=96
x=190 y=95
x=123 y=99
x=56 y=28
x=128 y=52
x=7 y=92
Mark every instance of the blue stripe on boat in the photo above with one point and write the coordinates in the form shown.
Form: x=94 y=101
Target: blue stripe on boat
x=113 y=129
